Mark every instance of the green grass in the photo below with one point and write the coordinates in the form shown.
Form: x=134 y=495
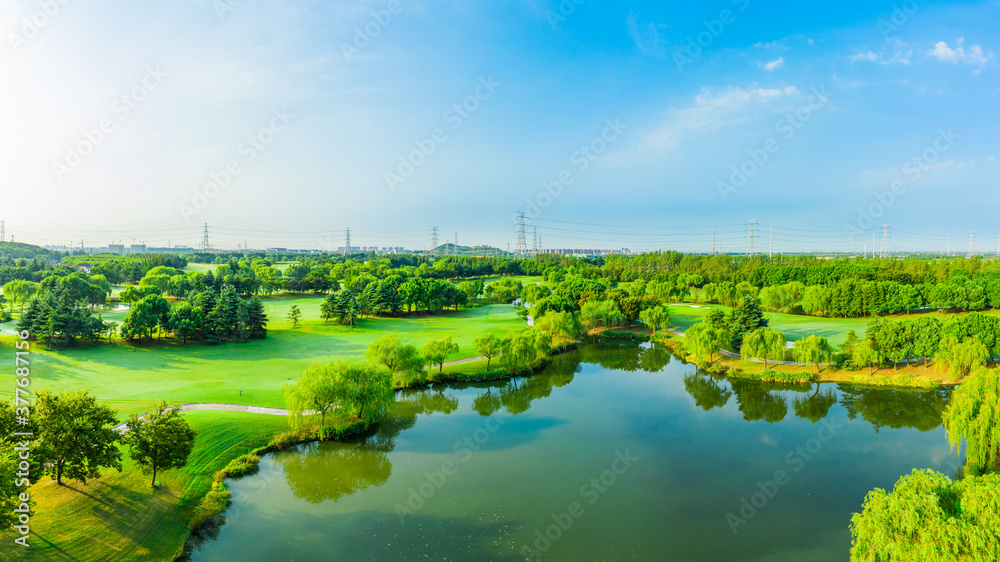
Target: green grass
x=120 y=517
x=201 y=267
x=794 y=326
x=131 y=377
x=525 y=279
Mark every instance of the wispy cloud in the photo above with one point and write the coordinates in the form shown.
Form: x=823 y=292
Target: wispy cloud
x=773 y=65
x=646 y=36
x=894 y=52
x=712 y=109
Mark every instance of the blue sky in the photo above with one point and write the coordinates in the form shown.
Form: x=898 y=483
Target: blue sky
x=392 y=117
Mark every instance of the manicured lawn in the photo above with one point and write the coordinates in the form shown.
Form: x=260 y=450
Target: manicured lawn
x=130 y=377
x=119 y=516
x=794 y=326
x=201 y=267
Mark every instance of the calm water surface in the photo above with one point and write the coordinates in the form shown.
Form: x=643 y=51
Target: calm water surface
x=615 y=452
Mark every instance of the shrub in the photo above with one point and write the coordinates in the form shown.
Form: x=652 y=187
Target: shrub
x=770 y=375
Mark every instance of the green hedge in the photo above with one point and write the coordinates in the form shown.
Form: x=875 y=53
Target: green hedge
x=769 y=375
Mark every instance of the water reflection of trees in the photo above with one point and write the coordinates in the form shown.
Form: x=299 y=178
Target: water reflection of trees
x=516 y=395
x=625 y=356
x=880 y=407
x=758 y=402
x=706 y=390
x=816 y=406
x=330 y=471
x=895 y=409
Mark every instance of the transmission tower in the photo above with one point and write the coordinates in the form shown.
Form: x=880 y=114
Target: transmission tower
x=3 y=232
x=972 y=244
x=534 y=246
x=770 y=244
x=456 y=243
x=434 y=238
x=347 y=241
x=751 y=237
x=713 y=241
x=522 y=244
x=883 y=250
x=205 y=244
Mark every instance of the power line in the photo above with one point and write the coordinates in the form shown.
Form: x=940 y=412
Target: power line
x=522 y=244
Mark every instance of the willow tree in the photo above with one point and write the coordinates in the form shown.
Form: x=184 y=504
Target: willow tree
x=974 y=415
x=962 y=357
x=813 y=350
x=764 y=343
x=316 y=392
x=654 y=317
x=360 y=391
x=705 y=339
x=929 y=517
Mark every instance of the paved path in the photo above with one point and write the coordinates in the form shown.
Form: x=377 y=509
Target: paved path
x=460 y=361
x=120 y=428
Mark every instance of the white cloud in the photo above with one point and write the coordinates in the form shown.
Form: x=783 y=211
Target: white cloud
x=774 y=65
x=974 y=55
x=870 y=56
x=898 y=52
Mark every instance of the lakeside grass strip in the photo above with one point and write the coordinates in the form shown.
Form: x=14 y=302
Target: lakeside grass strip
x=902 y=381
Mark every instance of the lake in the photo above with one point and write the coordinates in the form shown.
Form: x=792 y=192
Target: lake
x=613 y=452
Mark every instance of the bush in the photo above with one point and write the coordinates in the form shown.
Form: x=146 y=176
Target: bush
x=770 y=375
x=212 y=505
x=613 y=335
x=5 y=316
x=243 y=465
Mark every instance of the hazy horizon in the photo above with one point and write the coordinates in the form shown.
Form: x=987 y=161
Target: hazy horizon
x=640 y=126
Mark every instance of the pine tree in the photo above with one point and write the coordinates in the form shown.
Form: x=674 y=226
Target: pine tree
x=256 y=319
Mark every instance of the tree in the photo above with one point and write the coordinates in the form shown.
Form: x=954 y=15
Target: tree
x=488 y=345
x=256 y=322
x=972 y=415
x=436 y=351
x=151 y=311
x=186 y=321
x=605 y=311
x=565 y=324
x=159 y=440
x=327 y=310
x=19 y=291
x=316 y=392
x=962 y=356
x=764 y=343
x=744 y=319
x=865 y=355
x=654 y=317
x=393 y=354
x=294 y=315
x=75 y=435
x=812 y=349
x=704 y=339
x=929 y=517
x=927 y=337
x=518 y=347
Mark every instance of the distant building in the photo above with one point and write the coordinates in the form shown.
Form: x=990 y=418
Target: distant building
x=137 y=249
x=116 y=248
